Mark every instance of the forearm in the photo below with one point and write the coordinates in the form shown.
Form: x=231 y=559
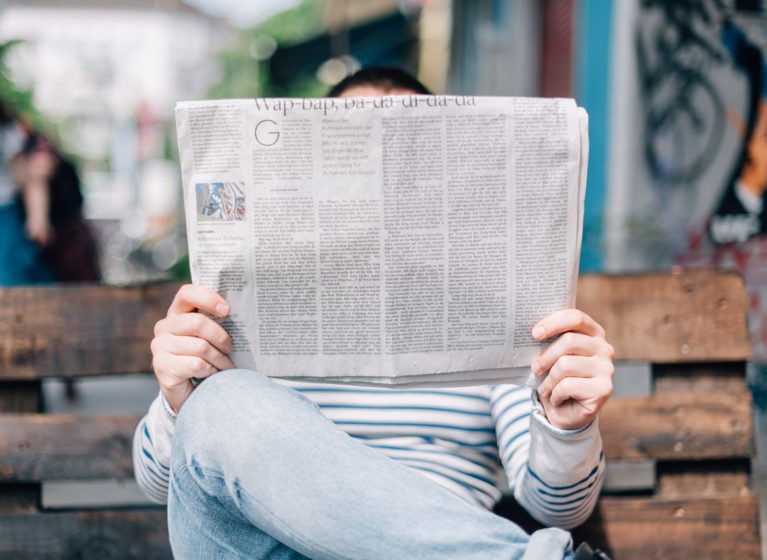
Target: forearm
x=151 y=451
x=34 y=190
x=561 y=482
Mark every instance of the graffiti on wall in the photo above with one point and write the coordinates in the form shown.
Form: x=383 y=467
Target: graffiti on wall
x=702 y=77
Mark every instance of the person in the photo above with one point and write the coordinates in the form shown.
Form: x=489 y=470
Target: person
x=69 y=244
x=24 y=225
x=260 y=468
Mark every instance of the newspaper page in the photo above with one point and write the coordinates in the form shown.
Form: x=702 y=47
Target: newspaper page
x=398 y=240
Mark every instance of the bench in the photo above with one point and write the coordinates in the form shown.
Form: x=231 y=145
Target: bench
x=679 y=456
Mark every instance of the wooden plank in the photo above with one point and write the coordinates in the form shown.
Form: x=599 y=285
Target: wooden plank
x=87 y=330
x=54 y=447
x=664 y=529
x=704 y=478
x=707 y=379
x=678 y=427
x=78 y=330
x=139 y=534
x=695 y=529
x=20 y=396
x=665 y=318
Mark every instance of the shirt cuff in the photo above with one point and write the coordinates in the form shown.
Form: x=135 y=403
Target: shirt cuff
x=168 y=409
x=539 y=415
x=562 y=457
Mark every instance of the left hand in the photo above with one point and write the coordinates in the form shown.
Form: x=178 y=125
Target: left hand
x=579 y=364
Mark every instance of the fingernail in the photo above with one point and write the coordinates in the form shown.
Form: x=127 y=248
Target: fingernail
x=538 y=332
x=221 y=309
x=536 y=367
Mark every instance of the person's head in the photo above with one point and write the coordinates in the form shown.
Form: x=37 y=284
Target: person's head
x=375 y=81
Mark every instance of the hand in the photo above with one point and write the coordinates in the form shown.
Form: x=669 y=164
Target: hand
x=579 y=364
x=39 y=230
x=189 y=344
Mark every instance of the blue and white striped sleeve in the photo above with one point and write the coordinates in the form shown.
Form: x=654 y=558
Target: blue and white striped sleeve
x=555 y=474
x=151 y=450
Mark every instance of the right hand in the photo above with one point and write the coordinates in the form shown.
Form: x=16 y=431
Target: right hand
x=189 y=344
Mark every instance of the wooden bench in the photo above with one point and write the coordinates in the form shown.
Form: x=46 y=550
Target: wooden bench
x=692 y=436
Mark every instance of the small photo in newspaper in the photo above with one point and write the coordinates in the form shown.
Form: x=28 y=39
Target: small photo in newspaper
x=220 y=202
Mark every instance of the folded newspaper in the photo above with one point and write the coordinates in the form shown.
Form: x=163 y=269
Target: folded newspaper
x=399 y=240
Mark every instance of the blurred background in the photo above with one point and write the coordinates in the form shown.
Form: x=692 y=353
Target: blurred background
x=676 y=91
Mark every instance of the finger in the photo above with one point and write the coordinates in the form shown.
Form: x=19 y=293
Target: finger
x=196 y=324
x=568 y=366
x=191 y=298
x=589 y=393
x=567 y=320
x=570 y=343
x=193 y=346
x=170 y=368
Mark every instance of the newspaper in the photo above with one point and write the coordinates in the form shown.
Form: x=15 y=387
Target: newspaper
x=398 y=240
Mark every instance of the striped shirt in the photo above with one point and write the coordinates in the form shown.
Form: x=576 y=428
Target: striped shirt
x=470 y=440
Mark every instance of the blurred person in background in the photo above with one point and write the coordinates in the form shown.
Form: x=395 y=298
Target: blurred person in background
x=43 y=234
x=24 y=206
x=67 y=241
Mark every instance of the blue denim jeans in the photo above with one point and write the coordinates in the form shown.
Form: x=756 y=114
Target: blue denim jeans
x=258 y=472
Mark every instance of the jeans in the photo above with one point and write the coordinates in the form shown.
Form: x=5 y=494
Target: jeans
x=258 y=472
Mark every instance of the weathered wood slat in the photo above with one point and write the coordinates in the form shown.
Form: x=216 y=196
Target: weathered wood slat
x=706 y=379
x=663 y=318
x=87 y=330
x=629 y=529
x=678 y=427
x=20 y=396
x=694 y=529
x=102 y=535
x=704 y=478
x=78 y=330
x=55 y=447
x=664 y=529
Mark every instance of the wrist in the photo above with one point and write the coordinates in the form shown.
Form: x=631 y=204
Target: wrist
x=550 y=421
x=169 y=409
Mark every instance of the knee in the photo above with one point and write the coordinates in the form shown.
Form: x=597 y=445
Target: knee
x=223 y=394
x=231 y=410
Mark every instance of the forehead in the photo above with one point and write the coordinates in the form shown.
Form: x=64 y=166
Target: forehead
x=374 y=91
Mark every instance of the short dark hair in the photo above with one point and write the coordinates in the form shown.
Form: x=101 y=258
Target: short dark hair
x=384 y=77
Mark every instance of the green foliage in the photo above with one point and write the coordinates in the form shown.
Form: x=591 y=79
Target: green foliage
x=292 y=26
x=18 y=101
x=243 y=75
x=180 y=270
